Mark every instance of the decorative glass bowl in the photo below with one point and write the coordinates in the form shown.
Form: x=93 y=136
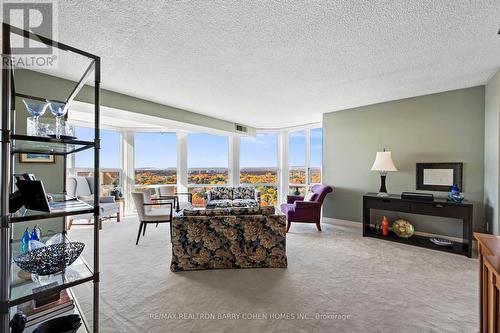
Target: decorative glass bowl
x=50 y=259
x=403 y=228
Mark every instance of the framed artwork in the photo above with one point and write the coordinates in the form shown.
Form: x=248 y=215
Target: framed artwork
x=37 y=158
x=439 y=176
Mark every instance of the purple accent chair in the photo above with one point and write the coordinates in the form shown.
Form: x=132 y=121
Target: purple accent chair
x=298 y=210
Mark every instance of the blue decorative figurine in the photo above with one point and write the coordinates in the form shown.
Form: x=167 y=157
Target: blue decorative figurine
x=455 y=195
x=36 y=233
x=25 y=240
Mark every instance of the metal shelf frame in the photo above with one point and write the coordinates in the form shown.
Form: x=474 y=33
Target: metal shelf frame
x=8 y=151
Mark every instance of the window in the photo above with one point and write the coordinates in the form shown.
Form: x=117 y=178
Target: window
x=304 y=162
x=297 y=161
x=207 y=160
x=259 y=165
x=155 y=158
x=316 y=155
x=109 y=158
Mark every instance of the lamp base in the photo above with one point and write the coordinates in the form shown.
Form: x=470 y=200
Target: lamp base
x=383 y=190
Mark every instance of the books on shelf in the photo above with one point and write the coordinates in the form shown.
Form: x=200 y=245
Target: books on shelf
x=36 y=315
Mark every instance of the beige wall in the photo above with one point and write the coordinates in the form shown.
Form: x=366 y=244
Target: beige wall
x=491 y=153
x=444 y=127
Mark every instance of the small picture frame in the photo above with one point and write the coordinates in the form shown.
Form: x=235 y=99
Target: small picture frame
x=37 y=158
x=439 y=176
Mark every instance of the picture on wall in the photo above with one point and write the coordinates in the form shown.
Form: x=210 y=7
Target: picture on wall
x=37 y=158
x=439 y=176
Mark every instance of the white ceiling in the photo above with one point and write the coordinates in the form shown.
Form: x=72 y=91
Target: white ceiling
x=274 y=64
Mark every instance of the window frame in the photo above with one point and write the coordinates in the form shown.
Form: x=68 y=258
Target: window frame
x=278 y=168
x=307 y=168
x=155 y=186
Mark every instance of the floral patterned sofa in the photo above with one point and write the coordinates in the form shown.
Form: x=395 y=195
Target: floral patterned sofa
x=226 y=196
x=239 y=237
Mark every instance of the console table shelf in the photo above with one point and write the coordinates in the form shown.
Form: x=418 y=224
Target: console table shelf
x=439 y=207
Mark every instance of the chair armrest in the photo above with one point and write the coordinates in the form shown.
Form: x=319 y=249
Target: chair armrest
x=307 y=204
x=107 y=199
x=292 y=198
x=171 y=204
x=189 y=195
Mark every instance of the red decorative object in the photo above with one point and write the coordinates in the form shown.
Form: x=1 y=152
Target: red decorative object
x=385 y=226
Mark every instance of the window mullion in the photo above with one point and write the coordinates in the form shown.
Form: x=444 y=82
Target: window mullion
x=182 y=169
x=308 y=154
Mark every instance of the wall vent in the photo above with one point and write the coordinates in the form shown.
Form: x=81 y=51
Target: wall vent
x=241 y=128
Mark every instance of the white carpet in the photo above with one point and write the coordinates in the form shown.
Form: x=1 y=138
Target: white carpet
x=356 y=284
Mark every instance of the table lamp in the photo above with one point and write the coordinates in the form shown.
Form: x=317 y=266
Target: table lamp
x=383 y=164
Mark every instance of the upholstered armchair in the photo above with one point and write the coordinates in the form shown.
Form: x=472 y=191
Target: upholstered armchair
x=306 y=211
x=151 y=210
x=82 y=188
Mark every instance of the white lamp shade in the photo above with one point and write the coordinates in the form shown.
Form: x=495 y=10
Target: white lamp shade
x=383 y=162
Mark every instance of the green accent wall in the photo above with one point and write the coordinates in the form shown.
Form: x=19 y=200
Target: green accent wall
x=491 y=153
x=443 y=127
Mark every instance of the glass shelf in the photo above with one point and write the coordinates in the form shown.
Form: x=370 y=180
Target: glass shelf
x=22 y=290
x=59 y=208
x=76 y=310
x=43 y=145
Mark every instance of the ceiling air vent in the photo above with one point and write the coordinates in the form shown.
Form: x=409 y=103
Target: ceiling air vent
x=241 y=128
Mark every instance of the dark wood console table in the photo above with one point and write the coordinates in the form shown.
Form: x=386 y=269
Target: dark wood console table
x=439 y=207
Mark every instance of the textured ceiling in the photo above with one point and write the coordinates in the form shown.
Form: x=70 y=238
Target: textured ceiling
x=273 y=64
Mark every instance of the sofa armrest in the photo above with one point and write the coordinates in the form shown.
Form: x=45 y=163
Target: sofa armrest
x=307 y=204
x=292 y=198
x=257 y=195
x=208 y=196
x=107 y=199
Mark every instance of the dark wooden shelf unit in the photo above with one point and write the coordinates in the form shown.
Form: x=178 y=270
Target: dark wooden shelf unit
x=439 y=207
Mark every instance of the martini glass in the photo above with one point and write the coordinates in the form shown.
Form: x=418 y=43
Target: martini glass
x=58 y=109
x=36 y=109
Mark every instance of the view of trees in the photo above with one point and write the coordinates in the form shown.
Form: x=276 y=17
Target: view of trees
x=315 y=175
x=258 y=176
x=212 y=176
x=148 y=176
x=297 y=176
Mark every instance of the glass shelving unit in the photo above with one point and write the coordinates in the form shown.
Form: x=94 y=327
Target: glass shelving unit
x=16 y=288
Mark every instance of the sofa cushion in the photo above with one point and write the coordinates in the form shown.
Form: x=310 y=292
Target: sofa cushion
x=268 y=210
x=245 y=211
x=245 y=203
x=82 y=187
x=310 y=196
x=221 y=193
x=221 y=203
x=244 y=192
x=205 y=212
x=264 y=210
